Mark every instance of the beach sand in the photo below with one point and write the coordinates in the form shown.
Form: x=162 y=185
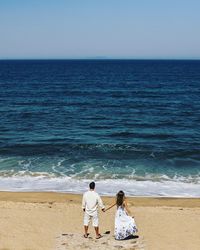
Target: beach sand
x=45 y=221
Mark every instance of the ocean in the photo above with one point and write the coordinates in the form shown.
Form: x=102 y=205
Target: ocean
x=126 y=124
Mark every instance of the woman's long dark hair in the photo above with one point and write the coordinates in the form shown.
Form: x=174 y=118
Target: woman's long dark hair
x=120 y=198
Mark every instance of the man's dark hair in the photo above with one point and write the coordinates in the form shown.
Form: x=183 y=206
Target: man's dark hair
x=92 y=185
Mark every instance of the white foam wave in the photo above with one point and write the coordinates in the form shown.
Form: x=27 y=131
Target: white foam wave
x=169 y=188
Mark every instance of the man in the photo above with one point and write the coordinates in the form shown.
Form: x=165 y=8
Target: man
x=91 y=201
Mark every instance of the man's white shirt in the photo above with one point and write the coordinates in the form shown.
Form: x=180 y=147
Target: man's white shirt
x=91 y=201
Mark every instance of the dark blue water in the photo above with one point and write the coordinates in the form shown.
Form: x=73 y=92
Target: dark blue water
x=135 y=120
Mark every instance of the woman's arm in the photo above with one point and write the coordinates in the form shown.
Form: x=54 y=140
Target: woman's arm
x=127 y=209
x=110 y=207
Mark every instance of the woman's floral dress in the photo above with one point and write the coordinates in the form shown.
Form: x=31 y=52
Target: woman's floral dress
x=124 y=224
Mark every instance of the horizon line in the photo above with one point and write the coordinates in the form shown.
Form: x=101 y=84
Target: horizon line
x=101 y=58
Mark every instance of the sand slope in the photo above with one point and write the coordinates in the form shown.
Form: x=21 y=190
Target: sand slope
x=46 y=221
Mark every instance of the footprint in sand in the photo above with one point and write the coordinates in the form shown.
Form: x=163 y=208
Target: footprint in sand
x=69 y=241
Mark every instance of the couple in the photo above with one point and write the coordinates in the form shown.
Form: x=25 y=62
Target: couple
x=124 y=224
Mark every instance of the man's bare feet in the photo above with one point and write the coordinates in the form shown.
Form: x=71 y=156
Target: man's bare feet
x=85 y=235
x=98 y=236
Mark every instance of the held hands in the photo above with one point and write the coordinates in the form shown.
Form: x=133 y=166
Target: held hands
x=104 y=210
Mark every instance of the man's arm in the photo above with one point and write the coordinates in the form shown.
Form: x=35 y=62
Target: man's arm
x=100 y=203
x=83 y=203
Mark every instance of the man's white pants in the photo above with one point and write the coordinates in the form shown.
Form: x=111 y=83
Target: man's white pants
x=93 y=217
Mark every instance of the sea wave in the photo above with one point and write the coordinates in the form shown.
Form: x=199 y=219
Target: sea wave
x=137 y=186
x=90 y=173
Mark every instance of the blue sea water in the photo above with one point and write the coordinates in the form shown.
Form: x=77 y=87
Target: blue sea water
x=127 y=124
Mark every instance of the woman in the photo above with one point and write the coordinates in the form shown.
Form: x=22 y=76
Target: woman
x=124 y=224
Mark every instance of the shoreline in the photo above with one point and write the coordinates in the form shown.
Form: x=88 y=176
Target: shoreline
x=147 y=188
x=61 y=197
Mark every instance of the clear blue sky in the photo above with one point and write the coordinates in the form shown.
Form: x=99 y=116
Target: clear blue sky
x=100 y=28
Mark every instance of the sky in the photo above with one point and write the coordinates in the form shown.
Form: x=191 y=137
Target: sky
x=126 y=29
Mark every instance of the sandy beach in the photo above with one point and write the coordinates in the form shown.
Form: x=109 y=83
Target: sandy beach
x=34 y=221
